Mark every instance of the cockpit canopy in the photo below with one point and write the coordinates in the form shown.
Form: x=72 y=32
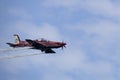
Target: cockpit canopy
x=43 y=40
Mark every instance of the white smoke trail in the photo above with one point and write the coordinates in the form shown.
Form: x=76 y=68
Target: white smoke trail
x=12 y=49
x=6 y=50
x=16 y=56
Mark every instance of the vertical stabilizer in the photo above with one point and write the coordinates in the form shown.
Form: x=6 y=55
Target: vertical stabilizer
x=17 y=39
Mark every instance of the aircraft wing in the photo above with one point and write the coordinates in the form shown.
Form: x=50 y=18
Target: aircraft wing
x=49 y=51
x=35 y=44
x=42 y=47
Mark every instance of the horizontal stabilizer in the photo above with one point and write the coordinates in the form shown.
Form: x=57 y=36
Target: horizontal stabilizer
x=11 y=44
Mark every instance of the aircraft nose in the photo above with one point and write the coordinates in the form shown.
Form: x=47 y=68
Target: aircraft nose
x=63 y=44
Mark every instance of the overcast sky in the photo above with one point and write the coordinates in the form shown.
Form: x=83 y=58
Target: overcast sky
x=91 y=29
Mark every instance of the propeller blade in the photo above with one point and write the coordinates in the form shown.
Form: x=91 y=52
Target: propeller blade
x=62 y=48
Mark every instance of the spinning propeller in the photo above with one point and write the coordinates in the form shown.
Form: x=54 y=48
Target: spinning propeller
x=63 y=43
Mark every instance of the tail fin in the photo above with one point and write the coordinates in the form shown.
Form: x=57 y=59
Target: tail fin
x=17 y=39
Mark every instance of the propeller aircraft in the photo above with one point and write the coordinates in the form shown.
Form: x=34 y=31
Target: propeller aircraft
x=43 y=45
